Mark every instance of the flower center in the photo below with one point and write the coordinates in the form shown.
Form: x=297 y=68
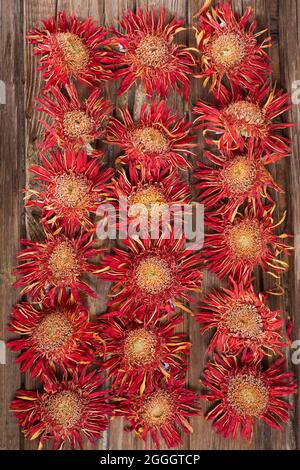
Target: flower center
x=62 y=262
x=247 y=116
x=74 y=53
x=64 y=408
x=228 y=50
x=239 y=175
x=72 y=190
x=152 y=51
x=53 y=332
x=245 y=239
x=247 y=395
x=77 y=124
x=150 y=139
x=148 y=196
x=140 y=347
x=153 y=275
x=157 y=409
x=244 y=319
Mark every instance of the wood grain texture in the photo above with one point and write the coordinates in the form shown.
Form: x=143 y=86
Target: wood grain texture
x=21 y=132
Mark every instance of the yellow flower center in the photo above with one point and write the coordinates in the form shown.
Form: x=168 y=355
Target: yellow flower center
x=72 y=190
x=247 y=395
x=74 y=53
x=62 y=262
x=152 y=51
x=245 y=239
x=239 y=175
x=153 y=275
x=140 y=347
x=77 y=124
x=53 y=332
x=247 y=115
x=64 y=408
x=157 y=409
x=150 y=139
x=228 y=50
x=244 y=319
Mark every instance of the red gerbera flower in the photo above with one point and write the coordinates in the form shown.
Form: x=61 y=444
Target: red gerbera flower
x=53 y=334
x=147 y=51
x=73 y=123
x=72 y=188
x=230 y=48
x=71 y=49
x=238 y=117
x=237 y=178
x=162 y=411
x=149 y=194
x=238 y=246
x=242 y=321
x=64 y=411
x=56 y=265
x=245 y=392
x=159 y=138
x=139 y=350
x=152 y=273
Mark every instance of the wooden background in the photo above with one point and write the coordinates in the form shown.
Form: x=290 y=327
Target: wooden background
x=20 y=132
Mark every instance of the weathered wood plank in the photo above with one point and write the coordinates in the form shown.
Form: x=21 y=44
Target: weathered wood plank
x=11 y=208
x=289 y=32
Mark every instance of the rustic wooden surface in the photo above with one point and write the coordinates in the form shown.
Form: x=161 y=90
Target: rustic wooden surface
x=20 y=132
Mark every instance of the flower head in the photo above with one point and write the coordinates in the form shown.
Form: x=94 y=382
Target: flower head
x=161 y=412
x=147 y=195
x=64 y=411
x=236 y=178
x=56 y=265
x=137 y=351
x=236 y=247
x=153 y=274
x=237 y=118
x=158 y=139
x=71 y=49
x=53 y=334
x=73 y=123
x=242 y=321
x=244 y=393
x=147 y=51
x=230 y=48
x=72 y=189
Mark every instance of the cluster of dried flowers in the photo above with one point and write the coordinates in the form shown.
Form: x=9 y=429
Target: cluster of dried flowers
x=136 y=345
